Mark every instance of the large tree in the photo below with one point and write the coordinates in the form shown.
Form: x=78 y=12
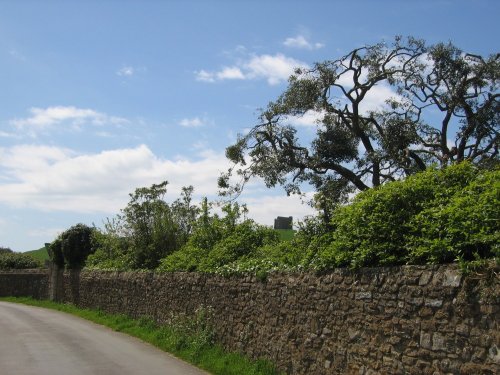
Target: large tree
x=444 y=109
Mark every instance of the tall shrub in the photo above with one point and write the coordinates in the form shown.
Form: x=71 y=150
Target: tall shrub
x=433 y=217
x=12 y=260
x=54 y=249
x=76 y=245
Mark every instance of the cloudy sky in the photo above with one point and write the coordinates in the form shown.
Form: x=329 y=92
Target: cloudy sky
x=100 y=97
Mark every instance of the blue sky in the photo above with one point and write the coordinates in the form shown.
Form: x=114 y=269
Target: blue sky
x=100 y=97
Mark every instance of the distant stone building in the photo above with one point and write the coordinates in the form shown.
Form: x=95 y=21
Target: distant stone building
x=282 y=222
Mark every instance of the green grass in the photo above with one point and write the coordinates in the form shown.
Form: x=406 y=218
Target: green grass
x=285 y=234
x=185 y=339
x=40 y=254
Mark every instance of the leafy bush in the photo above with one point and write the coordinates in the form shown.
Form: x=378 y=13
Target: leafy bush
x=111 y=250
x=4 y=250
x=72 y=247
x=147 y=230
x=462 y=226
x=11 y=260
x=54 y=249
x=189 y=259
x=246 y=238
x=219 y=241
x=76 y=245
x=432 y=217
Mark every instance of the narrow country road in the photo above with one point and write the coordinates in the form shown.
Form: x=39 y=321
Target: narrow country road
x=46 y=342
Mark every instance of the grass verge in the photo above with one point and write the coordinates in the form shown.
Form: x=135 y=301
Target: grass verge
x=285 y=234
x=190 y=340
x=40 y=254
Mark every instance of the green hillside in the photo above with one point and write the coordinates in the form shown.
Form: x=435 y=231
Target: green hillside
x=40 y=254
x=285 y=234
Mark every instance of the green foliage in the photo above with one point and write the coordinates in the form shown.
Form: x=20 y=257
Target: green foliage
x=76 y=245
x=459 y=88
x=72 y=247
x=112 y=249
x=219 y=241
x=147 y=230
x=54 y=249
x=461 y=224
x=188 y=258
x=240 y=242
x=279 y=257
x=436 y=216
x=4 y=250
x=149 y=224
x=40 y=254
x=11 y=260
x=285 y=234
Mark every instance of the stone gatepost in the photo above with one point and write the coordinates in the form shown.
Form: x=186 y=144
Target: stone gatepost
x=56 y=282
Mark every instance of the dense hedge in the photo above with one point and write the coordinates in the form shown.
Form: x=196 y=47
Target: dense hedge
x=219 y=244
x=72 y=247
x=11 y=260
x=437 y=216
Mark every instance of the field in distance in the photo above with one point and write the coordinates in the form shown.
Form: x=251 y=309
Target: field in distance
x=40 y=254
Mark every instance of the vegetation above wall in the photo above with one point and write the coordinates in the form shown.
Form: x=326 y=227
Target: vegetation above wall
x=436 y=216
x=424 y=165
x=12 y=260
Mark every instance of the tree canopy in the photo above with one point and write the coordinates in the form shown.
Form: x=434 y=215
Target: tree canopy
x=72 y=247
x=444 y=109
x=148 y=229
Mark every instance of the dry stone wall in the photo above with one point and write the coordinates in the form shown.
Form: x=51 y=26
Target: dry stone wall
x=400 y=320
x=24 y=283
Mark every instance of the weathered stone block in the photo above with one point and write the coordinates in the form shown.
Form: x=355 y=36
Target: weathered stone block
x=425 y=278
x=438 y=342
x=425 y=340
x=433 y=302
x=452 y=277
x=494 y=354
x=363 y=295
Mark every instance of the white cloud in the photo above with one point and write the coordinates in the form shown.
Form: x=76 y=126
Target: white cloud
x=301 y=42
x=57 y=179
x=126 y=71
x=205 y=76
x=309 y=119
x=194 y=122
x=376 y=98
x=52 y=178
x=44 y=118
x=7 y=135
x=45 y=232
x=274 y=68
x=230 y=73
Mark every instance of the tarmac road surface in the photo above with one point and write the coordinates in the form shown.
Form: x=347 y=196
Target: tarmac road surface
x=37 y=341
